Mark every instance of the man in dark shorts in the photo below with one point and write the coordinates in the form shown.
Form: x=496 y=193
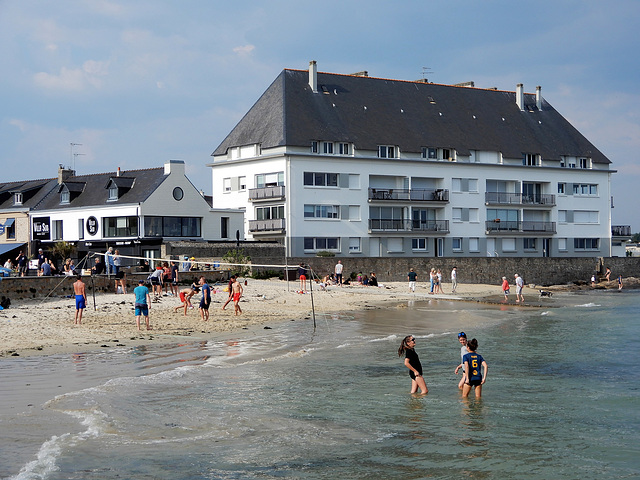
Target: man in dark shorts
x=206 y=299
x=22 y=263
x=81 y=299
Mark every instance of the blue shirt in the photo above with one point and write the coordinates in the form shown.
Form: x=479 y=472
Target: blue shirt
x=475 y=364
x=206 y=297
x=141 y=293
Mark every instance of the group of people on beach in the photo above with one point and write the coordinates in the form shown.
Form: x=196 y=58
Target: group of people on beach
x=435 y=280
x=472 y=366
x=506 y=289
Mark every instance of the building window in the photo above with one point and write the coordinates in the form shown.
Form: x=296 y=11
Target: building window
x=562 y=244
x=502 y=215
x=17 y=198
x=120 y=226
x=354 y=245
x=270 y=212
x=561 y=188
x=57 y=233
x=113 y=192
x=508 y=244
x=322 y=211
x=584 y=162
x=10 y=228
x=585 y=216
x=344 y=149
x=419 y=244
x=224 y=227
x=529 y=243
x=585 y=189
x=226 y=184
x=474 y=244
x=275 y=179
x=354 y=212
x=314 y=147
x=585 y=243
x=80 y=228
x=321 y=243
x=456 y=244
x=395 y=245
x=354 y=180
x=242 y=181
x=327 y=148
x=178 y=194
x=387 y=151
x=319 y=179
x=65 y=197
x=464 y=185
x=531 y=160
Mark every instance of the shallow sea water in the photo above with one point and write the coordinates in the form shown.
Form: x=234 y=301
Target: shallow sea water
x=561 y=400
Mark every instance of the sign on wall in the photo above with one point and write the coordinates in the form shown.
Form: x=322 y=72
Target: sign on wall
x=41 y=228
x=92 y=225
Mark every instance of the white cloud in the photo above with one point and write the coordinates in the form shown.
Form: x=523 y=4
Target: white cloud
x=244 y=49
x=76 y=79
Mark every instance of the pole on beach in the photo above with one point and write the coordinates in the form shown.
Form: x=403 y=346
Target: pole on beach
x=313 y=309
x=93 y=290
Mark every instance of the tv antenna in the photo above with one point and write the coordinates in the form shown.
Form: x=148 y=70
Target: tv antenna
x=426 y=71
x=74 y=155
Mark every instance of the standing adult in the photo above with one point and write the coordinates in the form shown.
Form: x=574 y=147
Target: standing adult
x=42 y=259
x=519 y=287
x=108 y=261
x=156 y=281
x=439 y=281
x=205 y=301
x=338 y=271
x=81 y=298
x=121 y=281
x=454 y=279
x=143 y=303
x=432 y=280
x=21 y=259
x=505 y=288
x=167 y=278
x=473 y=363
x=302 y=275
x=117 y=261
x=174 y=278
x=462 y=339
x=412 y=277
x=412 y=362
x=230 y=288
x=237 y=294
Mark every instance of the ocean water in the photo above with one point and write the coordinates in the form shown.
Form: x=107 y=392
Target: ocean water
x=561 y=400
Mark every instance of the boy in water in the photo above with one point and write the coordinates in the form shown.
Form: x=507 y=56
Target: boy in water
x=81 y=298
x=473 y=363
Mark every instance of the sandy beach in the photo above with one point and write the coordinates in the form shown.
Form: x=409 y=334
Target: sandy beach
x=47 y=327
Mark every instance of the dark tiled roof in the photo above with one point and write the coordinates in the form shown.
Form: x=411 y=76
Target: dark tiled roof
x=96 y=193
x=32 y=192
x=370 y=111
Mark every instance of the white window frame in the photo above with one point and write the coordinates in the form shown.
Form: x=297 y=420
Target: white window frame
x=474 y=244
x=226 y=185
x=416 y=247
x=355 y=245
x=456 y=244
x=388 y=151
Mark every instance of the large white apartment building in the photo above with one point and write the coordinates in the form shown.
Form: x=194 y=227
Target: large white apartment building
x=363 y=166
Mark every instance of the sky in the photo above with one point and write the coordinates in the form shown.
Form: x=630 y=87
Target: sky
x=138 y=82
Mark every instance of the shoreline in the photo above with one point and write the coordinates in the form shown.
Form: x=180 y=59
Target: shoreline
x=45 y=327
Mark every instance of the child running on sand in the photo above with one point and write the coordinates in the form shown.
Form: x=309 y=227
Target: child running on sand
x=473 y=363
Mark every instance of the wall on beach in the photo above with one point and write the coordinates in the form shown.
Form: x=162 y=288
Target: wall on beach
x=540 y=271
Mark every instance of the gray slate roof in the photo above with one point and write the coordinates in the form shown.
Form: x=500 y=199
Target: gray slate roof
x=94 y=191
x=369 y=111
x=32 y=192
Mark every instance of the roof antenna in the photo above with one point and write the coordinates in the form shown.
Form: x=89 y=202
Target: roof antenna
x=426 y=71
x=74 y=155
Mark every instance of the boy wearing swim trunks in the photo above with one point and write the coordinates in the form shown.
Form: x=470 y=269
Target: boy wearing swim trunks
x=81 y=299
x=237 y=294
x=143 y=302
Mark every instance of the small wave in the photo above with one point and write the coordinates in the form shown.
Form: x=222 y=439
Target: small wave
x=588 y=305
x=545 y=313
x=45 y=463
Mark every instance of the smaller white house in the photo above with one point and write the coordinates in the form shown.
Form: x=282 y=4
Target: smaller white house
x=133 y=211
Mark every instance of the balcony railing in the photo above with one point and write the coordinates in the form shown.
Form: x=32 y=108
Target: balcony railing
x=507 y=226
x=392 y=225
x=270 y=225
x=409 y=195
x=501 y=198
x=621 y=230
x=266 y=193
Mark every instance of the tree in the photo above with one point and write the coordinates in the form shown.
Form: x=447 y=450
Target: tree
x=62 y=249
x=239 y=260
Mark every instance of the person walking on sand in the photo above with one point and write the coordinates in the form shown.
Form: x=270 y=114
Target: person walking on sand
x=473 y=363
x=432 y=280
x=205 y=301
x=338 y=271
x=81 y=298
x=412 y=362
x=142 y=304
x=505 y=288
x=439 y=280
x=185 y=298
x=454 y=279
x=412 y=277
x=519 y=287
x=462 y=338
x=230 y=288
x=237 y=294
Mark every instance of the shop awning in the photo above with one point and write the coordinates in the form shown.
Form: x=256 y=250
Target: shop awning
x=7 y=247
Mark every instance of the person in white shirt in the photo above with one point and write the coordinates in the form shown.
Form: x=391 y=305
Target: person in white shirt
x=454 y=279
x=338 y=271
x=519 y=287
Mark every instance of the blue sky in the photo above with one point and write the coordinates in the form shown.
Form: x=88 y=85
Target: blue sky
x=139 y=82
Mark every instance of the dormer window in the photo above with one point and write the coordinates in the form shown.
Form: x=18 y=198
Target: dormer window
x=387 y=151
x=531 y=160
x=585 y=162
x=119 y=186
x=113 y=192
x=17 y=198
x=65 y=196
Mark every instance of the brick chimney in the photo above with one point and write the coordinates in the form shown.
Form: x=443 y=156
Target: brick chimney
x=64 y=174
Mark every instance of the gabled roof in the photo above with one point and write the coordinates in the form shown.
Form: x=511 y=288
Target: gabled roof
x=121 y=182
x=73 y=187
x=95 y=193
x=369 y=111
x=32 y=192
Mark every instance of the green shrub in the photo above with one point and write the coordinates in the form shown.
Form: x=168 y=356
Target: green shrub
x=324 y=253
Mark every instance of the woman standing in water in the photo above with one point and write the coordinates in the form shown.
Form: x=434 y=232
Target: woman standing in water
x=412 y=362
x=473 y=363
